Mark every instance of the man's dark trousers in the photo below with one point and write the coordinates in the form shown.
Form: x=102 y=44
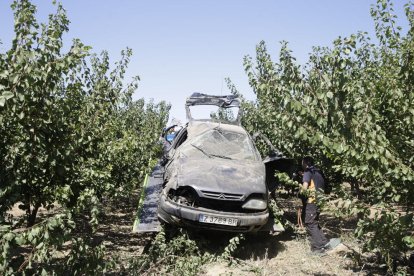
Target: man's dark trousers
x=316 y=236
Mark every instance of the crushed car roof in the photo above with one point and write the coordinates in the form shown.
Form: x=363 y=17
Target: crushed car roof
x=195 y=128
x=217 y=139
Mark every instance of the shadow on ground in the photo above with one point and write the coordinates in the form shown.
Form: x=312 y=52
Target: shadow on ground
x=286 y=253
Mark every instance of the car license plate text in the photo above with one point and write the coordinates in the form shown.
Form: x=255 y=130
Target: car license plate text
x=218 y=220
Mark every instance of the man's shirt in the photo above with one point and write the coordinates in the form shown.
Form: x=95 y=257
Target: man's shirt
x=315 y=182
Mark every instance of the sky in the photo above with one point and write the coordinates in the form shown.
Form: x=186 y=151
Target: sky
x=184 y=46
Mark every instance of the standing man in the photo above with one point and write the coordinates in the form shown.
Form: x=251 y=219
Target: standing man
x=314 y=183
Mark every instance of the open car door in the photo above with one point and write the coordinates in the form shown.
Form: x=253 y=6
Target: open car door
x=278 y=163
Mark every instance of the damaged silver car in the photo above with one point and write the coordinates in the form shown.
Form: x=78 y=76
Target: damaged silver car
x=214 y=176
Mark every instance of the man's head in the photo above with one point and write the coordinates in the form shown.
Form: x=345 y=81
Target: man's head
x=307 y=162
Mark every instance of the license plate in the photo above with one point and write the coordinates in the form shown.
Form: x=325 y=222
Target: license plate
x=218 y=220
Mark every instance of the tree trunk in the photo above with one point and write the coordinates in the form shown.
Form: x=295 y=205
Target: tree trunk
x=31 y=215
x=355 y=188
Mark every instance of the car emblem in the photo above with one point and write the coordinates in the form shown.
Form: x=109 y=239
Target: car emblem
x=222 y=196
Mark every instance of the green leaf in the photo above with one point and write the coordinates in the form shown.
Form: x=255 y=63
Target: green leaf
x=329 y=95
x=409 y=240
x=40 y=245
x=397 y=198
x=20 y=240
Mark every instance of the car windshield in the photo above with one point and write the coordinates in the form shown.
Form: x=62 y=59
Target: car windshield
x=220 y=143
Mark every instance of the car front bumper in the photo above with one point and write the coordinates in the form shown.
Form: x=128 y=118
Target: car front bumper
x=173 y=213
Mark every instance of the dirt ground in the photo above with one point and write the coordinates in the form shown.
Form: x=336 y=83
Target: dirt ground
x=281 y=256
x=260 y=254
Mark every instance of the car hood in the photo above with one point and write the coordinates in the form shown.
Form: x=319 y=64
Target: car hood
x=222 y=176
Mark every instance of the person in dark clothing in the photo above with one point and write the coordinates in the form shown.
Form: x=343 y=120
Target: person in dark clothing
x=313 y=183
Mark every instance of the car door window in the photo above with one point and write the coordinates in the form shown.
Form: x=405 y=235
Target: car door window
x=180 y=139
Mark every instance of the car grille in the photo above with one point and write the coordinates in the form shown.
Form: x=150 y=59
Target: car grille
x=222 y=196
x=225 y=202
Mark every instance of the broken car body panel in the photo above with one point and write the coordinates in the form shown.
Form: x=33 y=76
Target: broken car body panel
x=214 y=177
x=225 y=102
x=214 y=172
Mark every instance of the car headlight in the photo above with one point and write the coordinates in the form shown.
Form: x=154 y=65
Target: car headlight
x=256 y=204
